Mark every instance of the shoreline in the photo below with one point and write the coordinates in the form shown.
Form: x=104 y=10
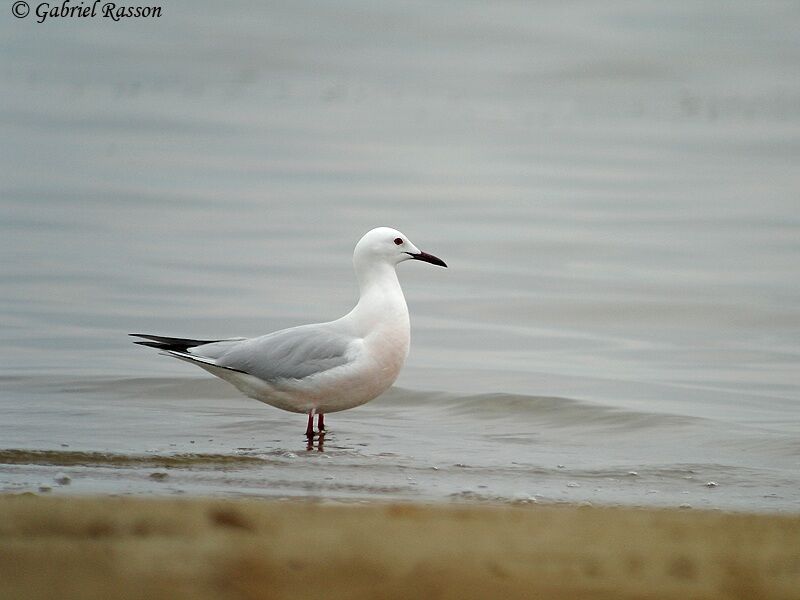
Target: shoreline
x=111 y=547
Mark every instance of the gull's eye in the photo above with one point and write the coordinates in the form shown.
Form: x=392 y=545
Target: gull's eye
x=398 y=241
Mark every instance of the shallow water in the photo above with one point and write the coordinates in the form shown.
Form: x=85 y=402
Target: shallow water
x=614 y=188
x=197 y=436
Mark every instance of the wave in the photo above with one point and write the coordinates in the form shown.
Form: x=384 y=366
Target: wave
x=549 y=410
x=544 y=410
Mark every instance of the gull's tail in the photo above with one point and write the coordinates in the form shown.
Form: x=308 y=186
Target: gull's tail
x=179 y=348
x=169 y=343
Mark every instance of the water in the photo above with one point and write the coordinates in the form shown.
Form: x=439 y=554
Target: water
x=615 y=189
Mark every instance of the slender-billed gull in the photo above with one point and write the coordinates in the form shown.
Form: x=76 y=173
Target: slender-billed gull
x=323 y=367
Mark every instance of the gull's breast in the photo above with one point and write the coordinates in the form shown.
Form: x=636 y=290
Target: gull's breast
x=387 y=349
x=377 y=364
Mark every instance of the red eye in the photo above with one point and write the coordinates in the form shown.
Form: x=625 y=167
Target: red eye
x=398 y=241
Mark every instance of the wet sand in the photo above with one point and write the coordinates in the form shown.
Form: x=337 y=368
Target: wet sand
x=132 y=548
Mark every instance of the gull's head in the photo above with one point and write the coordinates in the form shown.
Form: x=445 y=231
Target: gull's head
x=388 y=245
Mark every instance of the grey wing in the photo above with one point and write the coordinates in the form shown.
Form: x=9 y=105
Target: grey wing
x=293 y=353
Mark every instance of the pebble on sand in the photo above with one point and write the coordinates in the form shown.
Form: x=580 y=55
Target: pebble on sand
x=523 y=498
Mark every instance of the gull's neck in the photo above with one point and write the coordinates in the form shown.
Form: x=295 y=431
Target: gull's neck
x=381 y=303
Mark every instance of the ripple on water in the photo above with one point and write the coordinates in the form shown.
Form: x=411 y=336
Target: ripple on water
x=73 y=458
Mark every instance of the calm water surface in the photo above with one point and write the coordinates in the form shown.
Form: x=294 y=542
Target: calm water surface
x=615 y=189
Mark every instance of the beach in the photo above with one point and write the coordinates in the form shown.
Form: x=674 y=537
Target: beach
x=602 y=395
x=87 y=548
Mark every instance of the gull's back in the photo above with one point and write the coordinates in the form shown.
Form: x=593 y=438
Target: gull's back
x=295 y=353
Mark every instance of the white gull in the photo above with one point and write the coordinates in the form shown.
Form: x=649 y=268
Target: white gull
x=322 y=367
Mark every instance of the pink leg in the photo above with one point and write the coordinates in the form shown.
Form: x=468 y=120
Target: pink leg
x=321 y=423
x=310 y=428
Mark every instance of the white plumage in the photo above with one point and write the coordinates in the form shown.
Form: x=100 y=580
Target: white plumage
x=322 y=367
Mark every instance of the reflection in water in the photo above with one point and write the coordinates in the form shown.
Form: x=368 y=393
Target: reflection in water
x=320 y=442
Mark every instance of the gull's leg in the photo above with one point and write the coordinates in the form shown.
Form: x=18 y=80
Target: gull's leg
x=321 y=423
x=310 y=428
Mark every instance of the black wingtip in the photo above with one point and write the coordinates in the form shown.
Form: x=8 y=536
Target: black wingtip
x=169 y=343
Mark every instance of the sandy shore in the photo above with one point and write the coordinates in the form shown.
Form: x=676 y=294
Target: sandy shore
x=130 y=548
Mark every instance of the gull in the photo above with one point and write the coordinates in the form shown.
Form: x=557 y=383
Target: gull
x=321 y=368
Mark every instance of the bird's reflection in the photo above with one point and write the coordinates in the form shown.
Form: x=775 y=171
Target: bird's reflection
x=317 y=442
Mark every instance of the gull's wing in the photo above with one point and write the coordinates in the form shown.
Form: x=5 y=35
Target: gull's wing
x=293 y=353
